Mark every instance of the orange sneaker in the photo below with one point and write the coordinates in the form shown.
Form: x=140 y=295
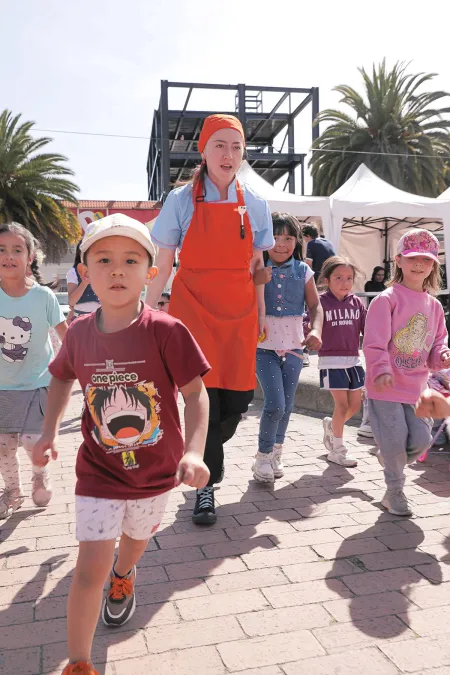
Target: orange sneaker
x=80 y=668
x=120 y=602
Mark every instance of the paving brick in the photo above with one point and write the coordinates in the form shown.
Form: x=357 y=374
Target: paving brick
x=238 y=547
x=192 y=634
x=377 y=582
x=428 y=595
x=322 y=522
x=221 y=604
x=204 y=568
x=260 y=578
x=33 y=634
x=169 y=556
x=172 y=590
x=406 y=558
x=25 y=661
x=267 y=517
x=412 y=540
x=319 y=570
x=269 y=650
x=200 y=660
x=428 y=622
x=275 y=558
x=306 y=593
x=198 y=538
x=361 y=662
x=412 y=655
x=273 y=621
x=368 y=606
x=12 y=614
x=266 y=528
x=341 y=636
x=349 y=548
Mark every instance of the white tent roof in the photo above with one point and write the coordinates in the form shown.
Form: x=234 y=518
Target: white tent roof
x=366 y=196
x=286 y=201
x=445 y=194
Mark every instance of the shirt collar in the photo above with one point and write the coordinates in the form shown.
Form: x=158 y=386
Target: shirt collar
x=212 y=191
x=285 y=266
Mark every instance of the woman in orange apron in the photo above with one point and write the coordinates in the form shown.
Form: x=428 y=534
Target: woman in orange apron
x=221 y=228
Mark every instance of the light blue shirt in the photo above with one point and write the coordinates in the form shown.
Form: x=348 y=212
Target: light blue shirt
x=176 y=215
x=25 y=343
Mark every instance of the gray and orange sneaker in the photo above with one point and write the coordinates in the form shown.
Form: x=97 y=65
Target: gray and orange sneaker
x=120 y=602
x=80 y=668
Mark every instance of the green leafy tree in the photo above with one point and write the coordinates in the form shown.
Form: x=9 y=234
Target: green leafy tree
x=394 y=127
x=32 y=185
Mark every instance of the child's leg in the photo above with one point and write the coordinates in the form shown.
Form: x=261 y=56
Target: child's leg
x=419 y=434
x=9 y=462
x=341 y=411
x=268 y=370
x=290 y=373
x=354 y=403
x=85 y=596
x=391 y=433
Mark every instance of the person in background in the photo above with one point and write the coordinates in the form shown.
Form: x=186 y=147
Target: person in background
x=81 y=297
x=163 y=302
x=318 y=249
x=376 y=283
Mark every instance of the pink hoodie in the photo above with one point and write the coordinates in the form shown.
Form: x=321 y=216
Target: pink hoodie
x=405 y=335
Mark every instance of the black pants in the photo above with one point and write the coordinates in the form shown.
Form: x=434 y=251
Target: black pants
x=226 y=407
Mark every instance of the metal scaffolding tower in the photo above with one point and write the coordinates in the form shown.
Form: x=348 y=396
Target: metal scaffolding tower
x=173 y=144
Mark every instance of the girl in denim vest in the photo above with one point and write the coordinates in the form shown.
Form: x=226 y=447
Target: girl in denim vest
x=289 y=283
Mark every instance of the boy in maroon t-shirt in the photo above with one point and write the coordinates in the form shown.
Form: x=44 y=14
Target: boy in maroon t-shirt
x=130 y=361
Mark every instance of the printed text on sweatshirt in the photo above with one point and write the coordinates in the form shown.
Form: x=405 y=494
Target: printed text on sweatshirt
x=343 y=323
x=405 y=337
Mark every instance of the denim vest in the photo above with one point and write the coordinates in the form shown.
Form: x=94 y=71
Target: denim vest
x=285 y=293
x=88 y=294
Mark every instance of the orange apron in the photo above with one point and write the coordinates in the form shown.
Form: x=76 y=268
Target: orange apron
x=213 y=292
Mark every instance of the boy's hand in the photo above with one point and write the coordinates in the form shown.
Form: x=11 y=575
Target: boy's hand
x=262 y=276
x=192 y=471
x=445 y=359
x=432 y=404
x=313 y=341
x=43 y=449
x=383 y=382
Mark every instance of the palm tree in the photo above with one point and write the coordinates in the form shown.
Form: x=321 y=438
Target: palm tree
x=394 y=129
x=32 y=185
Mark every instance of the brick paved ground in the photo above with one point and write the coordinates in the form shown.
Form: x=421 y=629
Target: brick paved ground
x=312 y=578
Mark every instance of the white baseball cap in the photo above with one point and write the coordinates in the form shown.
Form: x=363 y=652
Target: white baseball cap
x=117 y=225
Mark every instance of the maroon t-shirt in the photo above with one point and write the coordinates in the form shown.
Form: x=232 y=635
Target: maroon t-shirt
x=132 y=440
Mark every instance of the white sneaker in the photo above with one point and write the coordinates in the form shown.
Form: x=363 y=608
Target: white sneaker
x=365 y=430
x=339 y=456
x=327 y=434
x=305 y=360
x=42 y=490
x=396 y=503
x=262 y=467
x=10 y=501
x=277 y=462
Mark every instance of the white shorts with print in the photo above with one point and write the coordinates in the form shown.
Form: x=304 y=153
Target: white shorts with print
x=103 y=519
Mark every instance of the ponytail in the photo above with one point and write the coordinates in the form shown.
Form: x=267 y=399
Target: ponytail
x=198 y=176
x=35 y=269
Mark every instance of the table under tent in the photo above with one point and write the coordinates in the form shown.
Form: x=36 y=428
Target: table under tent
x=368 y=217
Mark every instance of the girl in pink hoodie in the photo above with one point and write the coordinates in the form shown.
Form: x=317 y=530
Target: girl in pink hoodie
x=405 y=338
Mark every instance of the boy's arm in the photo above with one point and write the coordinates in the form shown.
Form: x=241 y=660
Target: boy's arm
x=192 y=470
x=57 y=400
x=164 y=263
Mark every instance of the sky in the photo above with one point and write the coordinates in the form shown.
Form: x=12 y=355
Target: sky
x=96 y=65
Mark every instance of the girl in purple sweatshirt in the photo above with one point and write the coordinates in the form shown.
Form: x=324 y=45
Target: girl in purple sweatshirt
x=405 y=338
x=340 y=366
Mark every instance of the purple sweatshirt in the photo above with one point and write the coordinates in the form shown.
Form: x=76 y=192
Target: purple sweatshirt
x=343 y=323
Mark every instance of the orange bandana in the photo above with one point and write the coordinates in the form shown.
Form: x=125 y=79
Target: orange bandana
x=215 y=122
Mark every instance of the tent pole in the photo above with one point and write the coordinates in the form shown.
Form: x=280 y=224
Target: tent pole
x=386 y=261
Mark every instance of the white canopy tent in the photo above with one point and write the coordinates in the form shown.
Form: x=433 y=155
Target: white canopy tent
x=368 y=217
x=304 y=208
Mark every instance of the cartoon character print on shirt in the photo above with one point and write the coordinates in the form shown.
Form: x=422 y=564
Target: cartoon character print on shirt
x=411 y=342
x=14 y=334
x=125 y=418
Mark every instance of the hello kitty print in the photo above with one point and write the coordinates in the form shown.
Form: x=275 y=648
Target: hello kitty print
x=14 y=335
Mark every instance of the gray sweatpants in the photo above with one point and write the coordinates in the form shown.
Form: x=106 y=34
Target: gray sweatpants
x=400 y=436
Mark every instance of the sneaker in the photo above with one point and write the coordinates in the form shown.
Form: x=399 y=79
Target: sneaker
x=339 y=456
x=305 y=360
x=277 y=462
x=262 y=467
x=327 y=433
x=396 y=503
x=42 y=489
x=120 y=602
x=365 y=430
x=204 y=510
x=80 y=668
x=10 y=501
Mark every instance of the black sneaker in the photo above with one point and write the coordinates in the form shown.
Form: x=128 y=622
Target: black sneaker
x=204 y=512
x=120 y=602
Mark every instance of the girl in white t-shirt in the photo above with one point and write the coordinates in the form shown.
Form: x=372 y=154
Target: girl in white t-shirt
x=82 y=299
x=289 y=284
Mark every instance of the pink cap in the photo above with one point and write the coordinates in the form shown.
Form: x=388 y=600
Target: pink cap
x=419 y=242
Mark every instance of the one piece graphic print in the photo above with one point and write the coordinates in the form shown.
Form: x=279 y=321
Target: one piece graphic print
x=124 y=417
x=14 y=334
x=411 y=341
